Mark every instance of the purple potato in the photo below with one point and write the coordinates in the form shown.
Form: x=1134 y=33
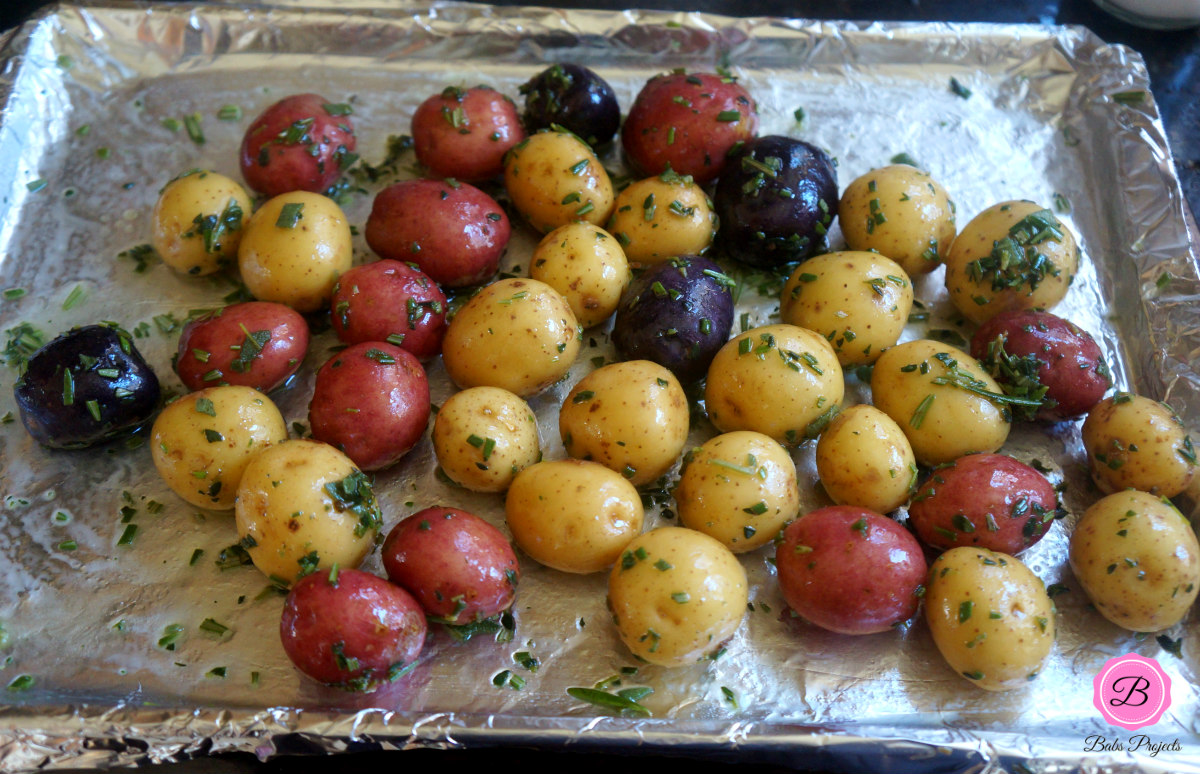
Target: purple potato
x=575 y=98
x=775 y=200
x=678 y=314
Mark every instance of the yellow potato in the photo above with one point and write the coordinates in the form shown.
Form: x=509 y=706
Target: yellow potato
x=304 y=506
x=1013 y=255
x=518 y=334
x=554 y=178
x=739 y=488
x=202 y=442
x=864 y=459
x=573 y=515
x=901 y=212
x=631 y=417
x=858 y=301
x=294 y=249
x=586 y=264
x=484 y=436
x=663 y=217
x=198 y=222
x=676 y=595
x=1139 y=443
x=990 y=617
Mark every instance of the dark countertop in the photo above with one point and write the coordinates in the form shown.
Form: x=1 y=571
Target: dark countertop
x=1173 y=61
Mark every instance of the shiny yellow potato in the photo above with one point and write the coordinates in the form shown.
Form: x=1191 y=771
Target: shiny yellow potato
x=631 y=417
x=294 y=249
x=198 y=222
x=901 y=212
x=1138 y=560
x=1138 y=443
x=573 y=515
x=676 y=595
x=1013 y=255
x=203 y=441
x=484 y=436
x=663 y=217
x=587 y=265
x=990 y=617
x=739 y=488
x=864 y=459
x=858 y=301
x=778 y=380
x=554 y=178
x=942 y=421
x=304 y=506
x=517 y=334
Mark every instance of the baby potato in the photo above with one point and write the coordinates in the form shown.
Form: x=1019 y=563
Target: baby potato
x=1013 y=255
x=631 y=417
x=901 y=212
x=484 y=437
x=573 y=515
x=293 y=250
x=198 y=222
x=1139 y=443
x=864 y=459
x=942 y=399
x=858 y=301
x=554 y=178
x=587 y=265
x=202 y=442
x=739 y=488
x=302 y=506
x=779 y=380
x=662 y=217
x=1137 y=559
x=990 y=616
x=676 y=595
x=518 y=334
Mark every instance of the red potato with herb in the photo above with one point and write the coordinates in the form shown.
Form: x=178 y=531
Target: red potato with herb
x=458 y=566
x=257 y=344
x=393 y=302
x=301 y=143
x=464 y=133
x=372 y=402
x=452 y=231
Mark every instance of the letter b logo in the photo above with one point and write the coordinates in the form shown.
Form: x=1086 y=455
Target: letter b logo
x=1131 y=691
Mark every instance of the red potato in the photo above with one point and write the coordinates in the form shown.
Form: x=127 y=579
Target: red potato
x=301 y=143
x=371 y=401
x=464 y=133
x=688 y=122
x=351 y=629
x=1037 y=354
x=257 y=344
x=459 y=567
x=850 y=570
x=986 y=500
x=452 y=231
x=390 y=301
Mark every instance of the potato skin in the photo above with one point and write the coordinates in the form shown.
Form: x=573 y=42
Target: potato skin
x=1137 y=559
x=454 y=232
x=901 y=212
x=990 y=617
x=850 y=570
x=864 y=459
x=1139 y=443
x=464 y=133
x=197 y=249
x=484 y=437
x=573 y=515
x=301 y=143
x=370 y=400
x=393 y=302
x=203 y=441
x=676 y=595
x=661 y=217
x=987 y=500
x=554 y=178
x=576 y=99
x=458 y=566
x=587 y=265
x=214 y=349
x=518 y=334
x=351 y=629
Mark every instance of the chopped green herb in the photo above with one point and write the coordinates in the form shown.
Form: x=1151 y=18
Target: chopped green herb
x=290 y=215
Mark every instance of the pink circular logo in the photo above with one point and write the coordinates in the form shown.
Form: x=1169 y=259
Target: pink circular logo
x=1131 y=691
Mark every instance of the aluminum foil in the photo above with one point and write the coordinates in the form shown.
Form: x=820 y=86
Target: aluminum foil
x=1052 y=111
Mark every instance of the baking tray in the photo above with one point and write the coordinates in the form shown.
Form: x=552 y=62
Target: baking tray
x=1051 y=111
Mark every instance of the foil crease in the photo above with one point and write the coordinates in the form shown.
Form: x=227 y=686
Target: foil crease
x=1053 y=110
